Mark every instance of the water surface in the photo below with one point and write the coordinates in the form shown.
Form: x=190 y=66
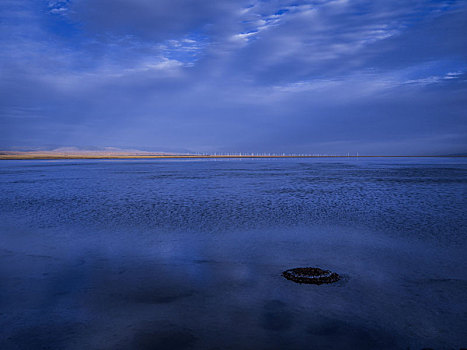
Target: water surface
x=157 y=254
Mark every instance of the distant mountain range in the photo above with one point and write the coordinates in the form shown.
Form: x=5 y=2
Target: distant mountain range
x=74 y=152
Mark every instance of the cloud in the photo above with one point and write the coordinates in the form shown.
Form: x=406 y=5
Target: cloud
x=227 y=75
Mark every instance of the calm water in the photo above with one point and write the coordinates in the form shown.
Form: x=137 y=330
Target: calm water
x=188 y=254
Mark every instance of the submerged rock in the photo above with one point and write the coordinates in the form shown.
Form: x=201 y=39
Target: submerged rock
x=311 y=275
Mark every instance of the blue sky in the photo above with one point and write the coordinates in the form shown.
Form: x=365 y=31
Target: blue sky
x=338 y=76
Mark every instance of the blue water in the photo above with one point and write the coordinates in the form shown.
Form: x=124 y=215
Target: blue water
x=154 y=254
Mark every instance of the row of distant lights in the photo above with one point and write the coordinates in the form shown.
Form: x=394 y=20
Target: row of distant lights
x=240 y=154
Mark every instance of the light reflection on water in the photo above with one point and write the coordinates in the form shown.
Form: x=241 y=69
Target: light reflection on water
x=181 y=255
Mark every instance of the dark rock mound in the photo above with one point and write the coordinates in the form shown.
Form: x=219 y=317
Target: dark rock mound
x=311 y=275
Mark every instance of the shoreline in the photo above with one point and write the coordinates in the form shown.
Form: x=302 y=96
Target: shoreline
x=104 y=157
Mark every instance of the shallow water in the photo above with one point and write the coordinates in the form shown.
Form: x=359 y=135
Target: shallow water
x=153 y=254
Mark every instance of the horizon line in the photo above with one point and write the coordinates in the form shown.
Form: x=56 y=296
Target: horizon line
x=48 y=156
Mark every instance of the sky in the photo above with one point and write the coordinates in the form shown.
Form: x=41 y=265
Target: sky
x=322 y=76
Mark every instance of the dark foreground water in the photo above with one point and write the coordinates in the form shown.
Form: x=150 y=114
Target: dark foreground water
x=188 y=254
